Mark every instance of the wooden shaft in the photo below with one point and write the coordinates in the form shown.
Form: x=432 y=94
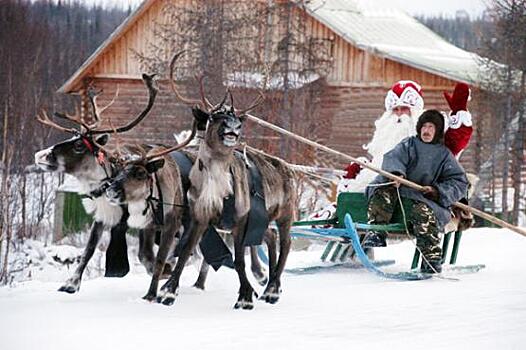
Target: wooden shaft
x=388 y=175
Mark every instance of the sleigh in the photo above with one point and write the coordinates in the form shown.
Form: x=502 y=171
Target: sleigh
x=343 y=231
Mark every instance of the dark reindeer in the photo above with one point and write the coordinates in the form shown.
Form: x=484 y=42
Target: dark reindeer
x=84 y=157
x=217 y=174
x=149 y=183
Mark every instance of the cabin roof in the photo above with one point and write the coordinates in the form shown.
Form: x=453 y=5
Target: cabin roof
x=385 y=32
x=393 y=34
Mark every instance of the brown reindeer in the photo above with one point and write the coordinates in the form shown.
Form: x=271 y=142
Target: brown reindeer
x=150 y=184
x=84 y=157
x=218 y=173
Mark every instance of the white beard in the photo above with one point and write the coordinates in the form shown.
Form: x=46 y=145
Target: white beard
x=389 y=131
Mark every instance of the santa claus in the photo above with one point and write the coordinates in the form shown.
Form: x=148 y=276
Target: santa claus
x=403 y=105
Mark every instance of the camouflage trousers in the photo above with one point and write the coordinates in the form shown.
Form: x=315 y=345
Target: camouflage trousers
x=421 y=220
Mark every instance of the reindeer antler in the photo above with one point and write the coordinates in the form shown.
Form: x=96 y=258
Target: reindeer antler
x=261 y=96
x=96 y=110
x=259 y=100
x=183 y=99
x=205 y=102
x=176 y=147
x=76 y=118
x=45 y=119
x=152 y=90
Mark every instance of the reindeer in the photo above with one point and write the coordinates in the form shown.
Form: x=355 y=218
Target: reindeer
x=219 y=173
x=154 y=189
x=149 y=183
x=145 y=183
x=84 y=157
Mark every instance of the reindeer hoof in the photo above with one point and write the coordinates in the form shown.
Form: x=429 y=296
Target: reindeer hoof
x=150 y=297
x=69 y=288
x=244 y=304
x=168 y=300
x=271 y=298
x=271 y=294
x=199 y=286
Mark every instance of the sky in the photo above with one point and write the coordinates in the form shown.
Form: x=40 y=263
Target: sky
x=413 y=7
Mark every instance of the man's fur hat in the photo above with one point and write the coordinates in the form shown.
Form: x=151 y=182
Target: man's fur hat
x=435 y=117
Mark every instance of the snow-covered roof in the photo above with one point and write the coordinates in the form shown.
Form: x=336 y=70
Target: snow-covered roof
x=383 y=31
x=275 y=82
x=393 y=34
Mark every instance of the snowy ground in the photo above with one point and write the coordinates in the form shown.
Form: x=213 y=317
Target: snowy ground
x=336 y=308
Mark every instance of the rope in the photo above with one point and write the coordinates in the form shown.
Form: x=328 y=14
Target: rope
x=300 y=168
x=388 y=175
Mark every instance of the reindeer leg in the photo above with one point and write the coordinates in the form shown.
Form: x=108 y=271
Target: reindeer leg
x=169 y=289
x=167 y=238
x=255 y=266
x=244 y=300
x=146 y=241
x=270 y=240
x=117 y=264
x=72 y=285
x=203 y=272
x=273 y=290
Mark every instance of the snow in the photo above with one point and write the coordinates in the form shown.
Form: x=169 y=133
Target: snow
x=329 y=309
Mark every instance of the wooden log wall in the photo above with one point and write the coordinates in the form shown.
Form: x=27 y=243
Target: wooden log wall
x=350 y=112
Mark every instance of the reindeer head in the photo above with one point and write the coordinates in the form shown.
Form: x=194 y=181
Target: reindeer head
x=81 y=153
x=78 y=154
x=221 y=123
x=134 y=173
x=134 y=181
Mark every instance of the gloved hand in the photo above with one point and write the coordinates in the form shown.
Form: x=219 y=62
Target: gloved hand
x=459 y=100
x=430 y=193
x=352 y=170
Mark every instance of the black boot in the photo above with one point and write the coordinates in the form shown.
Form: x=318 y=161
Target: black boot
x=431 y=266
x=374 y=239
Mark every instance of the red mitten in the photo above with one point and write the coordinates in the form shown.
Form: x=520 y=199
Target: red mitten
x=457 y=139
x=352 y=170
x=459 y=100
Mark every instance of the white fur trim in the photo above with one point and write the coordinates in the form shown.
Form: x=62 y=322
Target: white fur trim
x=459 y=119
x=409 y=98
x=103 y=211
x=137 y=219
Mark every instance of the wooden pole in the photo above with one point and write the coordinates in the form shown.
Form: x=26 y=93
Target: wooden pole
x=388 y=175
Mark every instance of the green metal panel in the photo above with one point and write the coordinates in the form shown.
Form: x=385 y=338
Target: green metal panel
x=74 y=217
x=416 y=259
x=327 y=250
x=456 y=246
x=445 y=246
x=356 y=203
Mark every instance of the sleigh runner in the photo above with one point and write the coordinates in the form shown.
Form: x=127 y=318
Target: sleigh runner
x=339 y=235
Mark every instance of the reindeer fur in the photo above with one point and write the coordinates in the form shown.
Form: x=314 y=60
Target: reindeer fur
x=218 y=173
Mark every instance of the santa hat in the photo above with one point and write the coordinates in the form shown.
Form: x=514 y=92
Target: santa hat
x=404 y=93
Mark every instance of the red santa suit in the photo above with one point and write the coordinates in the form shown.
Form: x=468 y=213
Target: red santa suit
x=459 y=123
x=390 y=128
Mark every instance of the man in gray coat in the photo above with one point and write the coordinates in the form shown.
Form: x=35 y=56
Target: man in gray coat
x=425 y=160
